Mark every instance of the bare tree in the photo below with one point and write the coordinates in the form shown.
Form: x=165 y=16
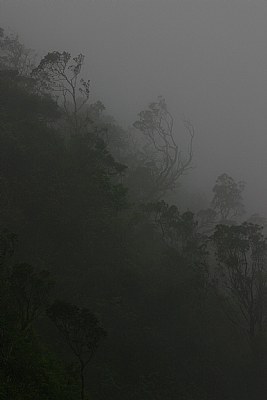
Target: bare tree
x=166 y=157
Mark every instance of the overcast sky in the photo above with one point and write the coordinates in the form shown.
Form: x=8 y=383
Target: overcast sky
x=208 y=58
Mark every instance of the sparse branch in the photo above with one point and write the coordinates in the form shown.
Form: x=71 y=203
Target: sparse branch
x=58 y=74
x=156 y=124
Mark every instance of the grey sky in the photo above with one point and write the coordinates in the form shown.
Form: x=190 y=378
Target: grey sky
x=207 y=57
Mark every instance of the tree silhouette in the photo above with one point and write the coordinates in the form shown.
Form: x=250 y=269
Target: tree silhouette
x=59 y=74
x=164 y=156
x=227 y=199
x=81 y=331
x=242 y=276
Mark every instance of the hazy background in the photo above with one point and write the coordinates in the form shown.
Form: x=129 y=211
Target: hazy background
x=207 y=57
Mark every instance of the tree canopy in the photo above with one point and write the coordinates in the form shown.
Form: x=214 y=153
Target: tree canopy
x=107 y=290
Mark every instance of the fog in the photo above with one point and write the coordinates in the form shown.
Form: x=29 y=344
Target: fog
x=128 y=268
x=208 y=59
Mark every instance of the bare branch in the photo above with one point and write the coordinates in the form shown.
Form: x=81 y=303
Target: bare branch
x=156 y=124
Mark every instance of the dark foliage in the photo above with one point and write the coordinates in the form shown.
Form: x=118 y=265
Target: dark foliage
x=175 y=293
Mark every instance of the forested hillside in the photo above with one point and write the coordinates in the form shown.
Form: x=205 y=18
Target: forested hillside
x=107 y=290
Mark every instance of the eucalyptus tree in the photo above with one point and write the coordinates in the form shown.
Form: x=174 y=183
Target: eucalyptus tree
x=164 y=159
x=59 y=74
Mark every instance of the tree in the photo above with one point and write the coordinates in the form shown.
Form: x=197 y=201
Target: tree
x=165 y=159
x=227 y=199
x=242 y=276
x=27 y=369
x=81 y=331
x=179 y=230
x=59 y=74
x=14 y=55
x=31 y=291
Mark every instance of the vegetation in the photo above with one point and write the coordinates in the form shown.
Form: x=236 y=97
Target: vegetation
x=106 y=290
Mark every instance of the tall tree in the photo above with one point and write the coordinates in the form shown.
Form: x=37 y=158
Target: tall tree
x=227 y=199
x=81 y=331
x=165 y=159
x=59 y=74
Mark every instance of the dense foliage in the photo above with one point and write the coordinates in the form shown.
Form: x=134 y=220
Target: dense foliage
x=108 y=291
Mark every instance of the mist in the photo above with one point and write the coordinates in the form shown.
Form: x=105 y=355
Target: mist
x=207 y=58
x=130 y=263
